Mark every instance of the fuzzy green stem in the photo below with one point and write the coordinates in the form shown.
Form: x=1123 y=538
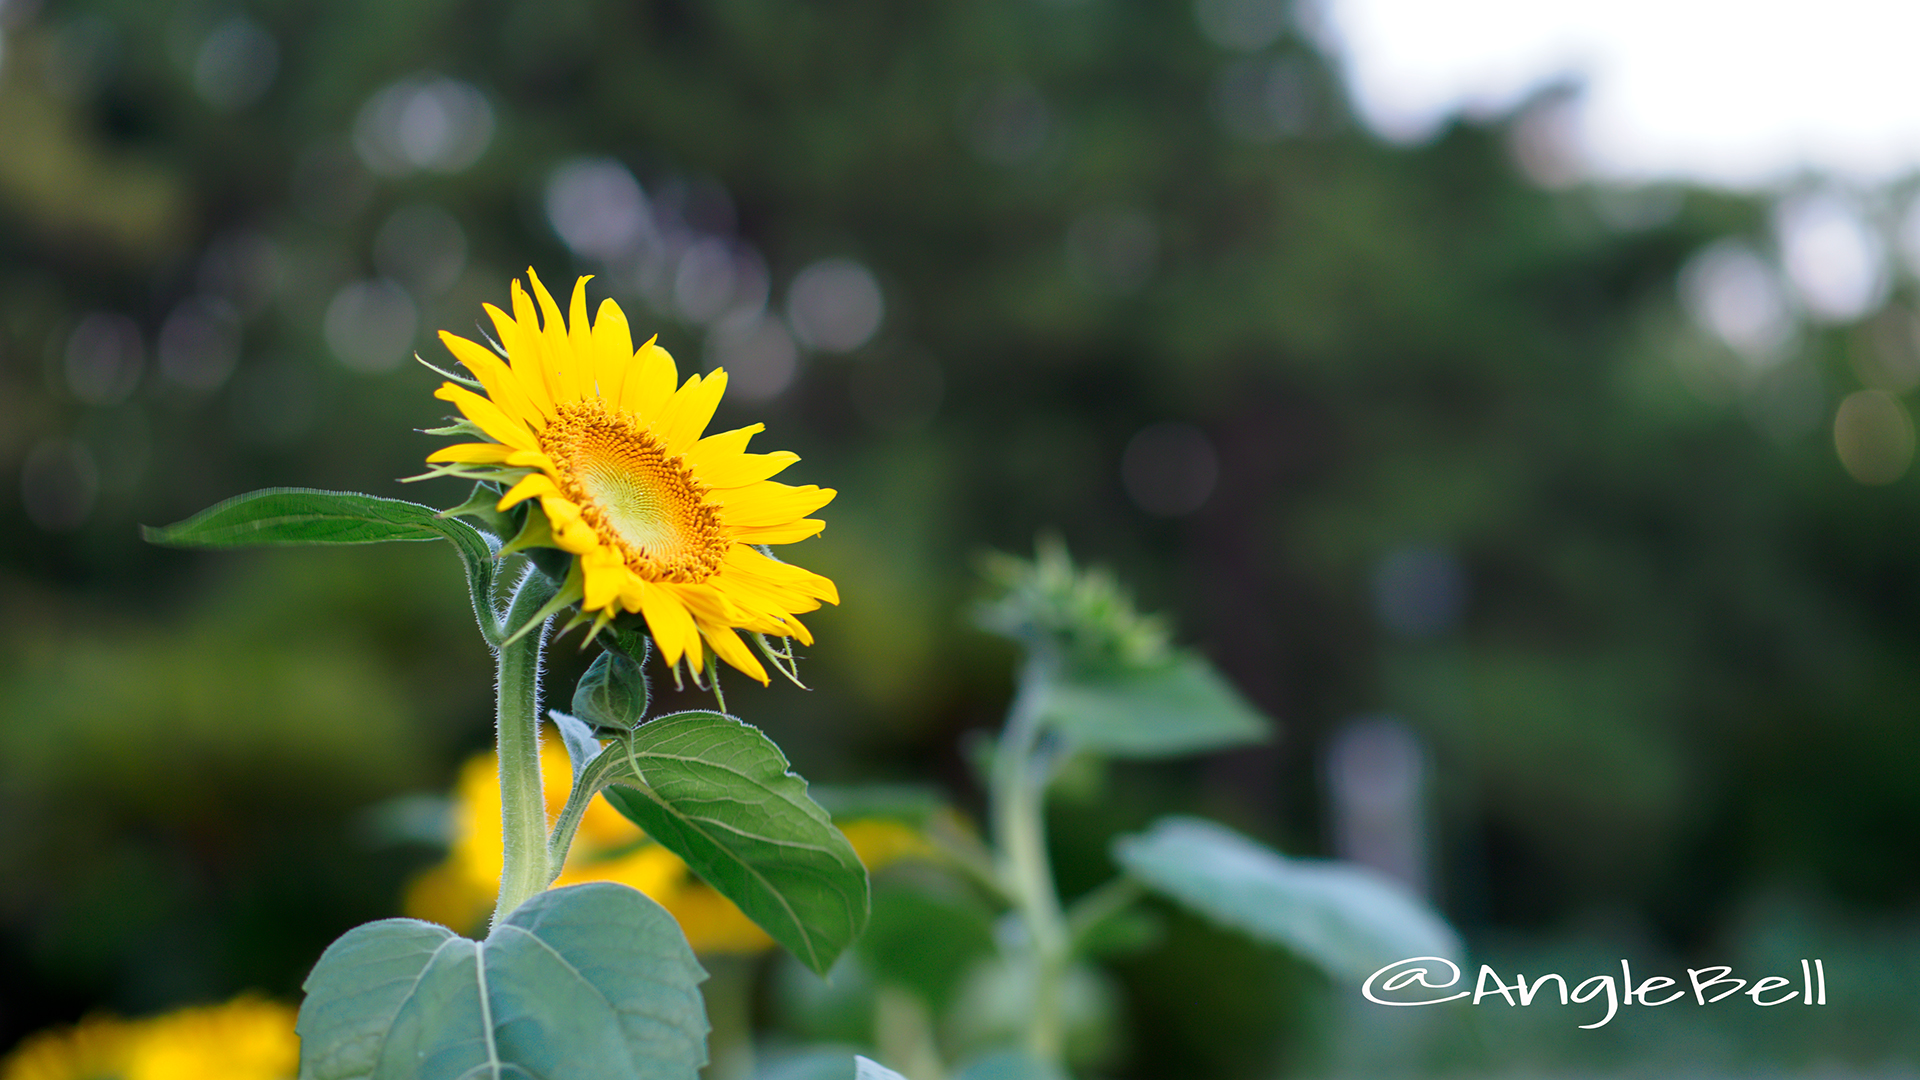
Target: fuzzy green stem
x=523 y=804
x=586 y=787
x=1018 y=791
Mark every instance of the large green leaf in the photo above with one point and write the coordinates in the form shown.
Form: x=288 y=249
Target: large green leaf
x=585 y=982
x=1184 y=707
x=718 y=793
x=294 y=516
x=1347 y=919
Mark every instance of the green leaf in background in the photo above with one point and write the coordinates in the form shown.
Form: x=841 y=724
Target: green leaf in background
x=589 y=981
x=276 y=517
x=925 y=941
x=1348 y=920
x=1185 y=707
x=612 y=694
x=718 y=793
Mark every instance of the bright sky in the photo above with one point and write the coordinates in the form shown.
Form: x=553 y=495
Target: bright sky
x=1726 y=92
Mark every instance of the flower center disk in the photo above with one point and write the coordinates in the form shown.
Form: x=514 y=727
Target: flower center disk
x=642 y=503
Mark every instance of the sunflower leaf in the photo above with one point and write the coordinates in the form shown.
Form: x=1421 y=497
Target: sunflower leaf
x=590 y=980
x=1344 y=918
x=285 y=517
x=1180 y=707
x=719 y=794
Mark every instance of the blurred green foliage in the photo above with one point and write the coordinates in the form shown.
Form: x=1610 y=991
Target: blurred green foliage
x=1664 y=662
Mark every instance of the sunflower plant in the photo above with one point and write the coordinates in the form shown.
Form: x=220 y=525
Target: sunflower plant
x=995 y=973
x=599 y=502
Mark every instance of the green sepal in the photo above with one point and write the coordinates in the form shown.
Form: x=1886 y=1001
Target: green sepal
x=780 y=656
x=571 y=591
x=467 y=381
x=535 y=531
x=590 y=980
x=612 y=694
x=719 y=794
x=459 y=427
x=553 y=562
x=481 y=507
x=535 y=541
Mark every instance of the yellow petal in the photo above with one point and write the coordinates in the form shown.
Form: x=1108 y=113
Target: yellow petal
x=555 y=352
x=501 y=383
x=520 y=335
x=488 y=416
x=717 y=448
x=672 y=625
x=570 y=534
x=767 y=594
x=743 y=469
x=728 y=646
x=560 y=510
x=769 y=503
x=690 y=412
x=708 y=605
x=743 y=561
x=780 y=534
x=529 y=487
x=605 y=573
x=649 y=383
x=797 y=629
x=531 y=459
x=473 y=453
x=579 y=333
x=768 y=611
x=612 y=351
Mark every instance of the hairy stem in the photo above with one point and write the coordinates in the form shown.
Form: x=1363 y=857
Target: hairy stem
x=586 y=786
x=1018 y=791
x=523 y=804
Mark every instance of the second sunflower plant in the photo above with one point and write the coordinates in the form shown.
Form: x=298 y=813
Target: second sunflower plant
x=600 y=500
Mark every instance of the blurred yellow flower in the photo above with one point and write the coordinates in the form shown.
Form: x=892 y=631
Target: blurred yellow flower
x=665 y=523
x=247 y=1038
x=460 y=892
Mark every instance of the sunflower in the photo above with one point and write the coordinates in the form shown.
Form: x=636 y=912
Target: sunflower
x=664 y=523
